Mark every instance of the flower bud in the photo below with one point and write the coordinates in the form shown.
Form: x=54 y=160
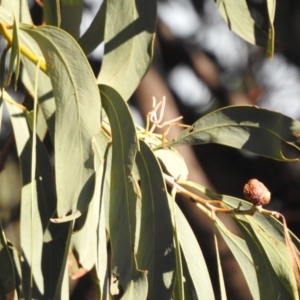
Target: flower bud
x=256 y=193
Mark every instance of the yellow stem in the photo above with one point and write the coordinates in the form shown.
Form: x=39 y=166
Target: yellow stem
x=25 y=51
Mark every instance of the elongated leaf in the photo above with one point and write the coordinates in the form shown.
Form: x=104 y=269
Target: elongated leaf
x=7 y=272
x=220 y=270
x=36 y=211
x=271 y=5
x=71 y=14
x=247 y=128
x=102 y=158
x=94 y=35
x=52 y=15
x=14 y=62
x=265 y=238
x=265 y=273
x=178 y=290
x=193 y=257
x=122 y=211
x=89 y=242
x=156 y=250
x=44 y=92
x=77 y=118
x=237 y=15
x=129 y=33
x=242 y=254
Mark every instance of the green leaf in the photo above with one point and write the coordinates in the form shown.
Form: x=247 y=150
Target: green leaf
x=265 y=238
x=45 y=93
x=129 y=35
x=237 y=15
x=94 y=35
x=271 y=5
x=37 y=208
x=17 y=8
x=77 y=118
x=247 y=128
x=14 y=62
x=220 y=271
x=71 y=15
x=196 y=269
x=178 y=290
x=156 y=249
x=173 y=163
x=51 y=10
x=122 y=211
x=242 y=254
x=265 y=273
x=102 y=158
x=7 y=273
x=89 y=240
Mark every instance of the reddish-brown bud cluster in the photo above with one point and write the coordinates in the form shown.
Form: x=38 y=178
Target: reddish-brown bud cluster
x=256 y=192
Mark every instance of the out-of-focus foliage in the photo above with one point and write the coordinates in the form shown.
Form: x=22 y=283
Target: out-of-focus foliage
x=107 y=204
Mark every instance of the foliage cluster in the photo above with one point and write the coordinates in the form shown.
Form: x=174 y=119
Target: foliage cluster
x=109 y=202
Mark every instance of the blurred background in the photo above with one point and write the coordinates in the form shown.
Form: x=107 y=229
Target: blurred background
x=200 y=66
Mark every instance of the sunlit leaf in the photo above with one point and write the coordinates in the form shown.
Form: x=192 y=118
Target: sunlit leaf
x=45 y=94
x=247 y=128
x=155 y=250
x=220 y=270
x=194 y=260
x=122 y=211
x=77 y=118
x=271 y=5
x=129 y=34
x=102 y=158
x=18 y=8
x=237 y=15
x=36 y=211
x=94 y=35
x=173 y=162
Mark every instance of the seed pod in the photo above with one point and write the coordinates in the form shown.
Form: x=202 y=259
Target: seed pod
x=256 y=193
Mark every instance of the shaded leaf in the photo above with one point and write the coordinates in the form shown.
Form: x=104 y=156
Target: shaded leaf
x=156 y=249
x=51 y=10
x=94 y=35
x=77 y=118
x=129 y=34
x=122 y=211
x=247 y=128
x=7 y=272
x=71 y=8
